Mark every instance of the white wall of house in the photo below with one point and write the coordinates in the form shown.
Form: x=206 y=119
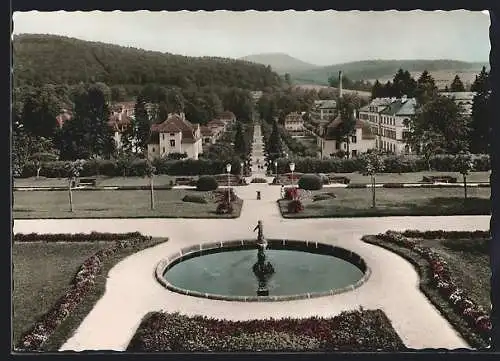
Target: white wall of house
x=357 y=145
x=153 y=151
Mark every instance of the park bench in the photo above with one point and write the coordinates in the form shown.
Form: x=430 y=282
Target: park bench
x=439 y=179
x=183 y=181
x=91 y=182
x=338 y=179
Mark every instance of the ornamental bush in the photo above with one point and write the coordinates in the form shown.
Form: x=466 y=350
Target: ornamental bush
x=206 y=183
x=310 y=182
x=193 y=199
x=258 y=180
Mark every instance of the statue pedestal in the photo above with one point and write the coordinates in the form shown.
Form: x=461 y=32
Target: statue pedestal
x=262 y=292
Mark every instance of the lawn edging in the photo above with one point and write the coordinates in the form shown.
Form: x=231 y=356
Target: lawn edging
x=436 y=282
x=53 y=328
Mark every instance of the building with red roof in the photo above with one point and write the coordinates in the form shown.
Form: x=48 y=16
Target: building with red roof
x=175 y=134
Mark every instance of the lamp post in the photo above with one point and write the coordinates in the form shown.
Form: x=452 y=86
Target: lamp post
x=276 y=167
x=292 y=168
x=228 y=170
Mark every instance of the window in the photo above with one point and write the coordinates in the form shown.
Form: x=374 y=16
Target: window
x=353 y=139
x=163 y=136
x=172 y=142
x=163 y=151
x=153 y=149
x=337 y=145
x=354 y=153
x=345 y=146
x=172 y=134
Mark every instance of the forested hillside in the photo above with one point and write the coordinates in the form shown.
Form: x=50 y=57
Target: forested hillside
x=41 y=59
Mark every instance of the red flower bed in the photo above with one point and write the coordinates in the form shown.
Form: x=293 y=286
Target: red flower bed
x=83 y=282
x=363 y=330
x=442 y=280
x=295 y=206
x=292 y=193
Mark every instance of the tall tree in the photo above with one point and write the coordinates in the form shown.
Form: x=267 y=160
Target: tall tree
x=426 y=88
x=142 y=123
x=346 y=108
x=288 y=79
x=403 y=84
x=377 y=90
x=275 y=147
x=87 y=134
x=480 y=124
x=41 y=107
x=442 y=123
x=464 y=165
x=240 y=145
x=457 y=85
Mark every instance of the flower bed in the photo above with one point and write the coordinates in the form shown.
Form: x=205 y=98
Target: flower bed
x=81 y=286
x=363 y=330
x=437 y=276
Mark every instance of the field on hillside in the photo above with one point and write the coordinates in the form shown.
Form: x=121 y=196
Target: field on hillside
x=442 y=77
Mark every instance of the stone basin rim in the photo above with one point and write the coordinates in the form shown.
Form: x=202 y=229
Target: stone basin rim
x=273 y=244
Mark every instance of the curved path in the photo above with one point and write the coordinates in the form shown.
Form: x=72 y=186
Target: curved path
x=132 y=291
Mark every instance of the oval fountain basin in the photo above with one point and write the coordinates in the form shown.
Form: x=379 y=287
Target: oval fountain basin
x=302 y=270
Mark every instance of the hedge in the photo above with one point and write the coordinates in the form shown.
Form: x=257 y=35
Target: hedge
x=360 y=330
x=75 y=237
x=134 y=167
x=392 y=164
x=194 y=199
x=206 y=183
x=310 y=182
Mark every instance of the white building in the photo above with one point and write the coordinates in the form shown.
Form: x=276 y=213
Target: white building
x=392 y=126
x=462 y=99
x=387 y=118
x=360 y=141
x=175 y=135
x=294 y=122
x=323 y=109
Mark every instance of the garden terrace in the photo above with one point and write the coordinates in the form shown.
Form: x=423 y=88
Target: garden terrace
x=116 y=204
x=48 y=299
x=364 y=330
x=454 y=274
x=356 y=202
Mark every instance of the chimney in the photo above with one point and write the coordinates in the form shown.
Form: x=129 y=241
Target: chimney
x=340 y=84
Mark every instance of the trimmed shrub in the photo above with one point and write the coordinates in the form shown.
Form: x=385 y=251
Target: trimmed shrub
x=206 y=183
x=258 y=180
x=193 y=199
x=310 y=182
x=74 y=237
x=356 y=185
x=339 y=179
x=393 y=185
x=323 y=197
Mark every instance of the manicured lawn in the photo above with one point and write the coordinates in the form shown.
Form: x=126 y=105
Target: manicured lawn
x=115 y=204
x=393 y=202
x=163 y=180
x=414 y=177
x=43 y=272
x=366 y=330
x=467 y=262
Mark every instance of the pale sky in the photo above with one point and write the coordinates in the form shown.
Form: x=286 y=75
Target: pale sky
x=322 y=38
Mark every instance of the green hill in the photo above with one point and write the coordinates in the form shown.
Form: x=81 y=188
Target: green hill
x=384 y=69
x=279 y=62
x=40 y=59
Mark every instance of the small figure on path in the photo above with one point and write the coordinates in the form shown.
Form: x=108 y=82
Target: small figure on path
x=282 y=191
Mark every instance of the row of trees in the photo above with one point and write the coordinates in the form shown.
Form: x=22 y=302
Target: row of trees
x=404 y=84
x=88 y=135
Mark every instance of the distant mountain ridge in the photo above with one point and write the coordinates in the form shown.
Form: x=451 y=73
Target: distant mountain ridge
x=384 y=69
x=280 y=62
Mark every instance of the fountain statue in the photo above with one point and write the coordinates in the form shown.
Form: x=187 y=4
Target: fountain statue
x=263 y=270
